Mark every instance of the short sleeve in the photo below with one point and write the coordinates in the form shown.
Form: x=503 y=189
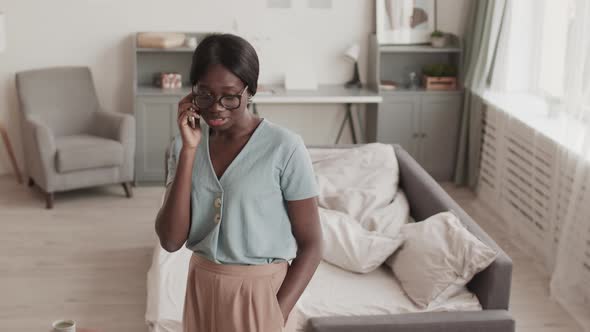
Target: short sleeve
x=298 y=178
x=172 y=161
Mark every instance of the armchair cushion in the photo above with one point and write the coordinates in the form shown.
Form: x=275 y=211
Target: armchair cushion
x=80 y=152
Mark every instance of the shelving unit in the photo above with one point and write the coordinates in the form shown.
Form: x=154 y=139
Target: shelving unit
x=424 y=122
x=155 y=108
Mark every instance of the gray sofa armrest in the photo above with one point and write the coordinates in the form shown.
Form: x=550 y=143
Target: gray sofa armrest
x=427 y=197
x=465 y=321
x=40 y=149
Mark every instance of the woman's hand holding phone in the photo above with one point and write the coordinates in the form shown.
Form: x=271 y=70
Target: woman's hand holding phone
x=188 y=122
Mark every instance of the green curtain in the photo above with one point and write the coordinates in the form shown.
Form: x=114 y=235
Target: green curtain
x=481 y=42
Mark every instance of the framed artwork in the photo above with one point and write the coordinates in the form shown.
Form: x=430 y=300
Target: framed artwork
x=405 y=21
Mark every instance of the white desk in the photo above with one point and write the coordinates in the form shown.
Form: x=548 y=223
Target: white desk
x=325 y=94
x=273 y=94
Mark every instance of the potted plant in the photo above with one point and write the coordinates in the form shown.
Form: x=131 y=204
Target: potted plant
x=440 y=76
x=438 y=39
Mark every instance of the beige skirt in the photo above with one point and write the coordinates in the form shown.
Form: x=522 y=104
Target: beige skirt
x=233 y=298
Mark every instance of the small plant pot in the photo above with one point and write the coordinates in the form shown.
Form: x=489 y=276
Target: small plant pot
x=438 y=41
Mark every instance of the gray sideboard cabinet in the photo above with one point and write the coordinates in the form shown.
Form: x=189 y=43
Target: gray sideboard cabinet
x=156 y=108
x=424 y=122
x=156 y=126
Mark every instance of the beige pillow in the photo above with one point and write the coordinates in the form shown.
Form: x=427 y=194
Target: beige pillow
x=347 y=245
x=438 y=257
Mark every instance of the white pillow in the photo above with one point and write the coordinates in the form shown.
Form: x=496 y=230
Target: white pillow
x=439 y=257
x=348 y=245
x=358 y=180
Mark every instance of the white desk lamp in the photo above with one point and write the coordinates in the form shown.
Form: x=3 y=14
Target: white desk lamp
x=352 y=53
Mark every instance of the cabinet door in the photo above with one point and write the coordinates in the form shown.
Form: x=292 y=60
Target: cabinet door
x=397 y=122
x=440 y=118
x=156 y=126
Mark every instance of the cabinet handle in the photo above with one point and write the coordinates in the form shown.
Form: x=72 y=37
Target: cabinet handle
x=423 y=135
x=416 y=135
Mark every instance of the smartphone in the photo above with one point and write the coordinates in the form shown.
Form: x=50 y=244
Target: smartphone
x=192 y=121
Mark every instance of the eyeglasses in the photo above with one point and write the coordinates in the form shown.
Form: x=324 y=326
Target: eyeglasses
x=206 y=100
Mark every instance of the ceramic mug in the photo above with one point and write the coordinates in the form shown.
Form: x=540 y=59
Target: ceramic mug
x=64 y=325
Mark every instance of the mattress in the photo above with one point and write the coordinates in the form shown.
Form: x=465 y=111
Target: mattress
x=331 y=292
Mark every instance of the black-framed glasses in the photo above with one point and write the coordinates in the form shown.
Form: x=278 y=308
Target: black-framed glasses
x=206 y=100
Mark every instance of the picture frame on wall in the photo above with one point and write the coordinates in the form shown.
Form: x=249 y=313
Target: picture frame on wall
x=405 y=21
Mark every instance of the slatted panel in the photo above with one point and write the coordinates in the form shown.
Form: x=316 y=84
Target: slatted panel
x=578 y=243
x=524 y=184
x=489 y=176
x=521 y=175
x=563 y=193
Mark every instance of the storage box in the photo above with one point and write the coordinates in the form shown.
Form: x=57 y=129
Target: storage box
x=440 y=83
x=162 y=40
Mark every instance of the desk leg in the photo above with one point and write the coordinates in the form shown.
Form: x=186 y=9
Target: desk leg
x=342 y=125
x=351 y=124
x=353 y=130
x=355 y=124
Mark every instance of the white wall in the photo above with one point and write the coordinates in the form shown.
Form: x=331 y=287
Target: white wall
x=97 y=33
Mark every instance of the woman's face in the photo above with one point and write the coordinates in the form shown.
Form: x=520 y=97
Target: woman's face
x=217 y=82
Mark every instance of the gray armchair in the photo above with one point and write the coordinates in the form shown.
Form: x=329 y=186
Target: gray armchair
x=69 y=141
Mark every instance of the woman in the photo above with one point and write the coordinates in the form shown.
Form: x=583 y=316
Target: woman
x=241 y=193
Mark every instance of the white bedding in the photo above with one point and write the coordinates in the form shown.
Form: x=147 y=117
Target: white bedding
x=361 y=182
x=166 y=285
x=332 y=291
x=361 y=208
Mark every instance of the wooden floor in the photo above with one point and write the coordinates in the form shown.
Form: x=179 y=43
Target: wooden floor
x=87 y=260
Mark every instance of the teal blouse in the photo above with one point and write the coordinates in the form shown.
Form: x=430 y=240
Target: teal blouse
x=242 y=217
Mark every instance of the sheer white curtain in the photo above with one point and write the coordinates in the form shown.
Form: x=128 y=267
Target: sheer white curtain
x=570 y=282
x=542 y=75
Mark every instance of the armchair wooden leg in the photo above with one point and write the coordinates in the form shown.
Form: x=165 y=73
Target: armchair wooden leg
x=49 y=200
x=31 y=182
x=128 y=189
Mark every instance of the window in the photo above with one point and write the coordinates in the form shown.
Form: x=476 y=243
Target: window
x=535 y=47
x=554 y=28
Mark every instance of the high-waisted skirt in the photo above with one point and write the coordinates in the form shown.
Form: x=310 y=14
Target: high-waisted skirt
x=233 y=298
